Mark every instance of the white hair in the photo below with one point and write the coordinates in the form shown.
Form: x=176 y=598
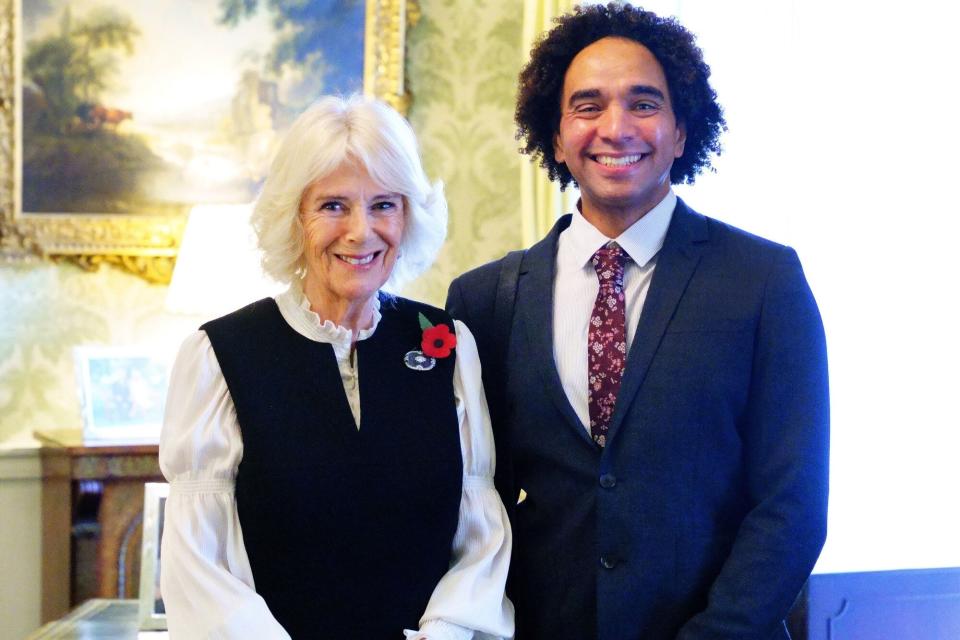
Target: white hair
x=330 y=132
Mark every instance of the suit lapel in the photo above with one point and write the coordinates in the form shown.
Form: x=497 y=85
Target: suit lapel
x=676 y=263
x=535 y=306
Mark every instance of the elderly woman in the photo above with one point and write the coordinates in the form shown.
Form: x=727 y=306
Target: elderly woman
x=329 y=450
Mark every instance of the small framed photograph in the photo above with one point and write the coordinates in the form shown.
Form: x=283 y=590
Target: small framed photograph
x=122 y=393
x=153 y=616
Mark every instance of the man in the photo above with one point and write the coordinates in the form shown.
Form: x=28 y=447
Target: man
x=657 y=379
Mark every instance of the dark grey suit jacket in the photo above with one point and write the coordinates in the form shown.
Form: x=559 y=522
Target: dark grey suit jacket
x=706 y=511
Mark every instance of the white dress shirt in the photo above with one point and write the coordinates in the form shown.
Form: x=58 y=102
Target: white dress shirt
x=207 y=583
x=576 y=285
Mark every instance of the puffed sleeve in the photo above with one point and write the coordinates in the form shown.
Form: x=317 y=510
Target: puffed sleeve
x=205 y=576
x=469 y=600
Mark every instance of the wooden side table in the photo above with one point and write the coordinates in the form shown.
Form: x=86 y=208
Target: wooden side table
x=92 y=512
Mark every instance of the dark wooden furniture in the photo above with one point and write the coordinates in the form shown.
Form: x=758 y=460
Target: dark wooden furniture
x=92 y=510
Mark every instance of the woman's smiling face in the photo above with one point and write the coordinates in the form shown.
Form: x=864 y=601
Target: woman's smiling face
x=352 y=227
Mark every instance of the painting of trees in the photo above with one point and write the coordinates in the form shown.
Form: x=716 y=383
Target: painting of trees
x=71 y=68
x=319 y=42
x=76 y=159
x=119 y=117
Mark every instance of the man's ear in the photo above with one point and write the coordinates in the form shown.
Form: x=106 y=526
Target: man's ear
x=558 y=149
x=681 y=140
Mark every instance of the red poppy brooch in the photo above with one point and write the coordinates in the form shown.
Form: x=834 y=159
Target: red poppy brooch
x=437 y=342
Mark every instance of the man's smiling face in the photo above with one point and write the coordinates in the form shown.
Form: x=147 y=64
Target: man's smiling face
x=618 y=134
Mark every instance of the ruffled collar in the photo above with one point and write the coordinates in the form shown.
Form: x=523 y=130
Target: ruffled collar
x=296 y=310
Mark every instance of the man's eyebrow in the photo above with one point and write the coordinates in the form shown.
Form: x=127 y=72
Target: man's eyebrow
x=646 y=90
x=583 y=94
x=635 y=90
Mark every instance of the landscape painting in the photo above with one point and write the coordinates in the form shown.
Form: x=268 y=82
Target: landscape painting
x=139 y=107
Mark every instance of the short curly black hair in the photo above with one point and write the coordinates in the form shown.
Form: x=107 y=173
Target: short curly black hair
x=694 y=100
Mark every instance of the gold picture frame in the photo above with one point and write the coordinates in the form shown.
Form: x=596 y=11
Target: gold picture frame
x=143 y=244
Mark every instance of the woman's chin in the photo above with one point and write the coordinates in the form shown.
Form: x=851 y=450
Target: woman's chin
x=343 y=287
x=355 y=294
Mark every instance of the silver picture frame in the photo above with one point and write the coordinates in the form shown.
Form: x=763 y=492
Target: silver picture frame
x=152 y=614
x=122 y=391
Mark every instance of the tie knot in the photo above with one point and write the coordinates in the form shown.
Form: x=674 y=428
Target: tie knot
x=608 y=262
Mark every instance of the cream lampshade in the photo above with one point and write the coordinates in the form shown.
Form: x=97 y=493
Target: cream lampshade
x=218 y=267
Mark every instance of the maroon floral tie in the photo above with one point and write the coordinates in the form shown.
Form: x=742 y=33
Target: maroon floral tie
x=606 y=340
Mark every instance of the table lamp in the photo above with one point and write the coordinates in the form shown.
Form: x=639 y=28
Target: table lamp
x=218 y=267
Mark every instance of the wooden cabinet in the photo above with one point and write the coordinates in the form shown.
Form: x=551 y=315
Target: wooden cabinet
x=92 y=506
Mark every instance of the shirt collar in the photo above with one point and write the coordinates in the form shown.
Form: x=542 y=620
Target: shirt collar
x=642 y=240
x=295 y=308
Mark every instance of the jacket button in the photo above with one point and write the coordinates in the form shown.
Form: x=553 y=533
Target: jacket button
x=608 y=562
x=608 y=481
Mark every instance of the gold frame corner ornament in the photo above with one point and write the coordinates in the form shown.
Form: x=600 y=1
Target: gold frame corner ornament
x=146 y=245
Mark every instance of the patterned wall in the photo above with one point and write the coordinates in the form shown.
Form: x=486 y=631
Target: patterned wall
x=462 y=65
x=463 y=60
x=46 y=310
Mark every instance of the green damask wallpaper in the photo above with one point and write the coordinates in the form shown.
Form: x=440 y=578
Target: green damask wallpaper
x=462 y=62
x=45 y=311
x=462 y=65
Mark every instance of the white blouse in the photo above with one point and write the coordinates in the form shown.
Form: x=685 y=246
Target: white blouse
x=206 y=580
